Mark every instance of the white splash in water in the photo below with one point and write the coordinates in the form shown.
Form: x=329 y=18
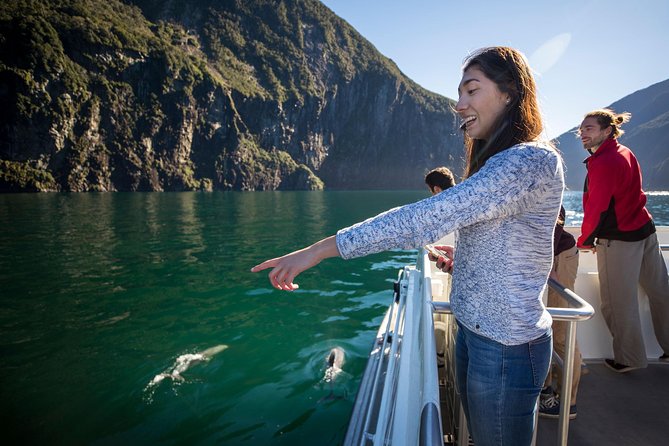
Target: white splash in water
x=182 y=363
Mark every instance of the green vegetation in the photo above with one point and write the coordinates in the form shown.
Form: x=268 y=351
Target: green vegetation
x=259 y=163
x=149 y=95
x=16 y=177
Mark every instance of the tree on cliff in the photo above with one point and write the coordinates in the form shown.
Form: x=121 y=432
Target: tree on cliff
x=185 y=95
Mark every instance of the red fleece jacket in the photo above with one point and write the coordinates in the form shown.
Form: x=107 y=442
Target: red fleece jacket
x=614 y=205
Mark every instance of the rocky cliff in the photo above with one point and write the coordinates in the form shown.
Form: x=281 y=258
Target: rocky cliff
x=104 y=95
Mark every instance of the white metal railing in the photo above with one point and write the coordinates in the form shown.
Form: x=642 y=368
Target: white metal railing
x=367 y=411
x=578 y=310
x=398 y=399
x=401 y=383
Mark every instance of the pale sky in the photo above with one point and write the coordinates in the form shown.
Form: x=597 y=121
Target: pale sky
x=586 y=54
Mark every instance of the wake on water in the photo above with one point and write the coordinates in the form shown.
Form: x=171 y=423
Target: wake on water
x=181 y=364
x=334 y=362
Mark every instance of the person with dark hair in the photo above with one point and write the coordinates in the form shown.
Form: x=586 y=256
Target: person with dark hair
x=509 y=200
x=619 y=228
x=439 y=179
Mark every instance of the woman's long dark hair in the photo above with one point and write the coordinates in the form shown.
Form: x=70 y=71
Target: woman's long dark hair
x=522 y=121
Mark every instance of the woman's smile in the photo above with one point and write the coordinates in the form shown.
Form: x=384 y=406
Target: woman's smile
x=480 y=103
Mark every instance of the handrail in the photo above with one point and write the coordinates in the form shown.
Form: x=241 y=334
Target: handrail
x=578 y=310
x=581 y=311
x=375 y=419
x=664 y=247
x=391 y=372
x=368 y=411
x=431 y=429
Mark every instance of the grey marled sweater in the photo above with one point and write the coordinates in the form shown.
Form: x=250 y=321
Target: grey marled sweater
x=504 y=217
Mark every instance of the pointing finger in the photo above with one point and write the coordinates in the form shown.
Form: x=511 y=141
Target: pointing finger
x=271 y=263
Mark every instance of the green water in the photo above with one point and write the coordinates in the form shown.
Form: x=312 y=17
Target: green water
x=101 y=293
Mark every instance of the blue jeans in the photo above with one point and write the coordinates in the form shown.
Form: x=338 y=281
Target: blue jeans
x=499 y=385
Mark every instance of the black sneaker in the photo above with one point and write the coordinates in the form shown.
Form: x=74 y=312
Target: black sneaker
x=547 y=394
x=546 y=391
x=550 y=408
x=664 y=358
x=618 y=367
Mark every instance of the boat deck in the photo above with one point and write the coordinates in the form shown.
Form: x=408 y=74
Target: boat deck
x=617 y=408
x=397 y=397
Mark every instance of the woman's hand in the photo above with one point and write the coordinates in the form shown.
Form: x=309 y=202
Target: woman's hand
x=445 y=262
x=287 y=267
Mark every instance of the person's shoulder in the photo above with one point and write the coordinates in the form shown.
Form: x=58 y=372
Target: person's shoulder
x=530 y=158
x=535 y=150
x=537 y=146
x=624 y=151
x=611 y=149
x=617 y=156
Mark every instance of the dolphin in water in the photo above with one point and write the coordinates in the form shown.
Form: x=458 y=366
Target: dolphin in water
x=184 y=362
x=335 y=361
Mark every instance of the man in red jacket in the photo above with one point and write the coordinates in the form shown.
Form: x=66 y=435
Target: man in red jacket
x=617 y=225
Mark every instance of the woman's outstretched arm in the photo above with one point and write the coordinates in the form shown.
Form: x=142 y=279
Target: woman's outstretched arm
x=287 y=267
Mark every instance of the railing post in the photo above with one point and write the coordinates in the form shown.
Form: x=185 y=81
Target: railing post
x=584 y=312
x=567 y=380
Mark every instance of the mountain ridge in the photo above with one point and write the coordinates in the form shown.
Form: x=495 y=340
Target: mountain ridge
x=241 y=95
x=144 y=95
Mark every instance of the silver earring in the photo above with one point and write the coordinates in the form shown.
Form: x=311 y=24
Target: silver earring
x=508 y=101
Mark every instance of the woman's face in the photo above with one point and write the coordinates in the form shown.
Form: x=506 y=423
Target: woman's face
x=480 y=103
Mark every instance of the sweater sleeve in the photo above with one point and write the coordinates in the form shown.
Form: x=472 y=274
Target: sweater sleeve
x=509 y=183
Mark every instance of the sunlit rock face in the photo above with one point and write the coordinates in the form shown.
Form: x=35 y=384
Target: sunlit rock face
x=208 y=95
